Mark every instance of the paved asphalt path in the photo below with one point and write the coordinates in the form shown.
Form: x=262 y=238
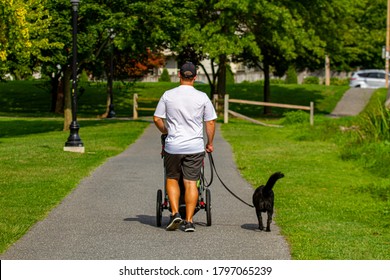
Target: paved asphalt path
x=111 y=215
x=352 y=102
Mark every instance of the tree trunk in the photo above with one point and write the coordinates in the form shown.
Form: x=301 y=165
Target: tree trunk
x=108 y=102
x=211 y=81
x=59 y=106
x=67 y=98
x=54 y=83
x=221 y=87
x=267 y=90
x=110 y=80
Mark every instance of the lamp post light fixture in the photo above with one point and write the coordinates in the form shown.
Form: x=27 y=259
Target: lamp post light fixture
x=111 y=113
x=74 y=143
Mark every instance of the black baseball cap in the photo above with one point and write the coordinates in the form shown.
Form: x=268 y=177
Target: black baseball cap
x=188 y=70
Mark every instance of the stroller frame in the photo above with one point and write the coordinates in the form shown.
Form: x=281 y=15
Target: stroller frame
x=204 y=197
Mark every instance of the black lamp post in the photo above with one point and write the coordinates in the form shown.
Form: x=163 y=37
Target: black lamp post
x=74 y=143
x=111 y=113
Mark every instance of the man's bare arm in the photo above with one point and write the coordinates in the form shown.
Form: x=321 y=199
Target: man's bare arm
x=159 y=122
x=210 y=132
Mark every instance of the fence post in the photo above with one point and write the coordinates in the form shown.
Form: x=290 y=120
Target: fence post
x=135 y=106
x=311 y=113
x=226 y=109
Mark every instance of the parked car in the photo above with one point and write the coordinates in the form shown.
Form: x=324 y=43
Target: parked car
x=372 y=78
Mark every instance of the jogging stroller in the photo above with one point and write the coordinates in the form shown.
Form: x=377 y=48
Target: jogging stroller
x=204 y=200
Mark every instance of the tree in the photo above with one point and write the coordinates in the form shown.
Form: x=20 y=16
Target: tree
x=352 y=33
x=289 y=33
x=15 y=42
x=196 y=56
x=141 y=28
x=367 y=35
x=23 y=36
x=134 y=67
x=214 y=33
x=333 y=23
x=164 y=76
x=131 y=68
x=141 y=31
x=271 y=35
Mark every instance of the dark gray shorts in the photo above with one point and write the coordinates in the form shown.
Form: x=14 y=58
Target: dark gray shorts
x=190 y=165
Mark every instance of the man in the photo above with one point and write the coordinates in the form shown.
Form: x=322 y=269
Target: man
x=180 y=114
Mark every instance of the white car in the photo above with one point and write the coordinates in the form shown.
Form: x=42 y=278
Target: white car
x=368 y=79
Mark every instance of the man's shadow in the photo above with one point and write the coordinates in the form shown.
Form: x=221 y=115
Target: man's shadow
x=146 y=220
x=151 y=220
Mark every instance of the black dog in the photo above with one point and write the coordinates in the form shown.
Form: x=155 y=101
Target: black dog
x=263 y=200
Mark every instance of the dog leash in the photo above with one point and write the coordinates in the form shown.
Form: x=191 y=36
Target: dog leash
x=206 y=184
x=223 y=184
x=212 y=167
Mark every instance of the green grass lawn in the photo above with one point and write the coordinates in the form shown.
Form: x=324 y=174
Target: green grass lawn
x=332 y=204
x=36 y=174
x=323 y=205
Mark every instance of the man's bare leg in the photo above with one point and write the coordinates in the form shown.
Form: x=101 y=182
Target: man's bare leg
x=191 y=198
x=173 y=191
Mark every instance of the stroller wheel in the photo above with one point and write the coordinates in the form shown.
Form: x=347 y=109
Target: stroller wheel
x=208 y=207
x=159 y=208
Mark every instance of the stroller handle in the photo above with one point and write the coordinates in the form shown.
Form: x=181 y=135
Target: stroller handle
x=163 y=137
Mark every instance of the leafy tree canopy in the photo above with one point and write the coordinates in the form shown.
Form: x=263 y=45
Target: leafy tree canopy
x=24 y=29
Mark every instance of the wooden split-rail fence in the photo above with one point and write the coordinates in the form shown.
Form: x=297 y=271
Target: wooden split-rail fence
x=226 y=111
x=136 y=108
x=227 y=100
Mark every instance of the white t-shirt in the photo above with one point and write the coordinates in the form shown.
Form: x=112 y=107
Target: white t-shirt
x=185 y=109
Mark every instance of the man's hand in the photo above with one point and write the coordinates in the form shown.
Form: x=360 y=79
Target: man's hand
x=209 y=148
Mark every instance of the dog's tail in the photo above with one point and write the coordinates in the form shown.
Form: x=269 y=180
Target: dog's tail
x=271 y=182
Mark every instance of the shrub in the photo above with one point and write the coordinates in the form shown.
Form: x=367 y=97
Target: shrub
x=311 y=80
x=164 y=76
x=276 y=81
x=296 y=117
x=334 y=81
x=375 y=123
x=292 y=77
x=369 y=142
x=83 y=76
